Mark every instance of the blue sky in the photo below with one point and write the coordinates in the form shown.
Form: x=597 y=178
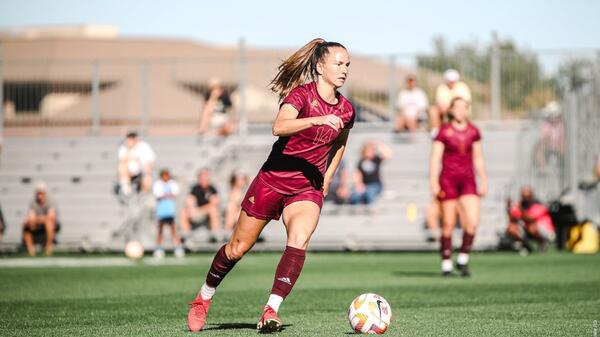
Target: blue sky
x=368 y=27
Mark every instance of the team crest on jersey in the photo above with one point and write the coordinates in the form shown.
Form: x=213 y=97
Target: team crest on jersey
x=449 y=132
x=314 y=103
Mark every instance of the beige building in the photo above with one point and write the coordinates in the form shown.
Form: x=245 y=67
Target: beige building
x=49 y=76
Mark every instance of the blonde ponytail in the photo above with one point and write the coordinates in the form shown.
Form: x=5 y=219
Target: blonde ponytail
x=301 y=67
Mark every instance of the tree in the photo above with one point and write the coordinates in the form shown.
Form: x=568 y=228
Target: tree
x=520 y=72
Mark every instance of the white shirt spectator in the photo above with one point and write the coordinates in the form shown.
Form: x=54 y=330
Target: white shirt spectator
x=137 y=157
x=412 y=103
x=162 y=188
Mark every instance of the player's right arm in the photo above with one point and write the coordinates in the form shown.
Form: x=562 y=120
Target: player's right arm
x=287 y=122
x=434 y=167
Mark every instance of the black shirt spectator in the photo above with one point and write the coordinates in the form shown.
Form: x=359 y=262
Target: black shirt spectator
x=369 y=168
x=203 y=194
x=222 y=102
x=202 y=204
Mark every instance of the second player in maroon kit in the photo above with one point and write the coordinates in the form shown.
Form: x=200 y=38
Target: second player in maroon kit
x=457 y=147
x=313 y=124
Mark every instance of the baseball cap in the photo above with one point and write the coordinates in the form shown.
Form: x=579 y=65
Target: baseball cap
x=41 y=187
x=451 y=75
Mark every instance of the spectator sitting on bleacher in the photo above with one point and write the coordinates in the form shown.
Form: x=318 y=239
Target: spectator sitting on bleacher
x=446 y=92
x=165 y=191
x=412 y=104
x=41 y=223
x=216 y=114
x=202 y=206
x=367 y=178
x=529 y=217
x=136 y=158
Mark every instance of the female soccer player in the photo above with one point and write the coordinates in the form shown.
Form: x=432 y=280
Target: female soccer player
x=313 y=123
x=457 y=147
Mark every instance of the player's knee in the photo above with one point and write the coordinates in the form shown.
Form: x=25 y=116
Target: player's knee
x=237 y=250
x=299 y=241
x=447 y=230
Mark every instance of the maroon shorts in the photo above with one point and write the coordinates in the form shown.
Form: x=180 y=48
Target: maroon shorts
x=263 y=202
x=454 y=187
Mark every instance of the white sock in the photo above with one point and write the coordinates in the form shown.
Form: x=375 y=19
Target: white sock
x=207 y=292
x=446 y=265
x=274 y=302
x=462 y=258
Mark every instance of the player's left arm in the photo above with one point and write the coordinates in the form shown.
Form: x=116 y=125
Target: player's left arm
x=335 y=157
x=479 y=165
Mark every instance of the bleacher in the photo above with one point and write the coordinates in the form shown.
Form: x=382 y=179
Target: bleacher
x=80 y=173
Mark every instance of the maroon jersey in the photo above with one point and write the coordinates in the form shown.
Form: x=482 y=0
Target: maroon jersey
x=297 y=163
x=457 y=160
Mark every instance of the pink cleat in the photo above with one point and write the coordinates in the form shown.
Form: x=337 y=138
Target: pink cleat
x=269 y=321
x=197 y=314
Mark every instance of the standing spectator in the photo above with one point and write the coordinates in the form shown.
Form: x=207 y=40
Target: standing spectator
x=367 y=178
x=216 y=114
x=238 y=182
x=41 y=221
x=529 y=217
x=446 y=93
x=136 y=158
x=165 y=191
x=201 y=205
x=552 y=142
x=412 y=104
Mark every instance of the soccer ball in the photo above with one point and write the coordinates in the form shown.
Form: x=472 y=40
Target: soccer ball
x=370 y=313
x=134 y=250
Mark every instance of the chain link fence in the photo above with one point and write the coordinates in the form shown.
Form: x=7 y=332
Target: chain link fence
x=166 y=95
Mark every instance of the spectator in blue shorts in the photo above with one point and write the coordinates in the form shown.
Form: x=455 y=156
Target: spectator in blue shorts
x=166 y=190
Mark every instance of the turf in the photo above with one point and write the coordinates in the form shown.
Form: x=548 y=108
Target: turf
x=553 y=294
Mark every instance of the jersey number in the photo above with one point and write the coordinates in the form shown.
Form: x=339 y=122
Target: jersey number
x=324 y=134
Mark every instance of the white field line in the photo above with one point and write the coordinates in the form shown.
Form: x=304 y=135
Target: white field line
x=72 y=262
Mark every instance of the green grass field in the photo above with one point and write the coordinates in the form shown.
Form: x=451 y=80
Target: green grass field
x=555 y=294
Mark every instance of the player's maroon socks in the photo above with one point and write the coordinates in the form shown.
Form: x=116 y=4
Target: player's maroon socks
x=462 y=260
x=287 y=273
x=219 y=268
x=446 y=247
x=467 y=243
x=446 y=252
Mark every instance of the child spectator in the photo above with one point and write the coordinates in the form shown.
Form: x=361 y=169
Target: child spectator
x=166 y=190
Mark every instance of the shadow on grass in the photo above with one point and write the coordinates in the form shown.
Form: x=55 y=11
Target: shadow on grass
x=416 y=273
x=237 y=326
